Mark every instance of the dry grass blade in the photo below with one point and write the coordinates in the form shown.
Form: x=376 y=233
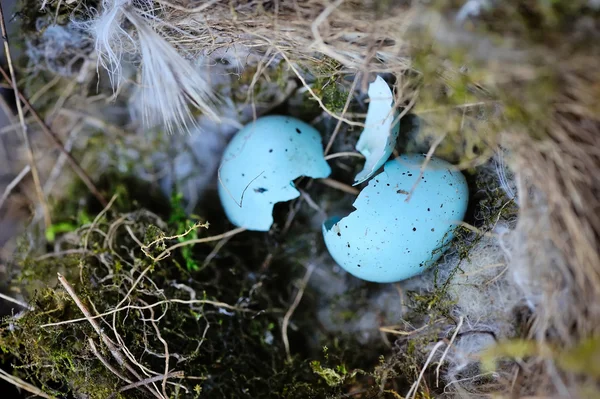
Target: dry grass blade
x=14 y=183
x=58 y=143
x=412 y=393
x=292 y=309
x=24 y=130
x=437 y=369
x=174 y=374
x=24 y=385
x=344 y=154
x=15 y=301
x=339 y=186
x=105 y=362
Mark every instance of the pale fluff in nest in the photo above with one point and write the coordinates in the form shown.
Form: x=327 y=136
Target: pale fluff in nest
x=169 y=82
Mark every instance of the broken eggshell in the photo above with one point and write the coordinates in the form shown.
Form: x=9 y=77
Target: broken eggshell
x=260 y=164
x=387 y=239
x=378 y=139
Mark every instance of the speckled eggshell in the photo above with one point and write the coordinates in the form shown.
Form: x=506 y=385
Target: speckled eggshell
x=260 y=164
x=387 y=239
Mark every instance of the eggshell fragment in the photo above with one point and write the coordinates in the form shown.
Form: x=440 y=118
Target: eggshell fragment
x=378 y=139
x=260 y=164
x=387 y=239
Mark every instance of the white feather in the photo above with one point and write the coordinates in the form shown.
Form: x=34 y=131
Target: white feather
x=110 y=37
x=169 y=82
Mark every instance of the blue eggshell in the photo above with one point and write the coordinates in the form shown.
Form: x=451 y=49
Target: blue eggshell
x=387 y=239
x=260 y=164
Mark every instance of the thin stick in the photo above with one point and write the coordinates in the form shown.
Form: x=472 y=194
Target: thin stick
x=97 y=219
x=88 y=316
x=58 y=143
x=339 y=185
x=24 y=385
x=14 y=183
x=163 y=302
x=196 y=226
x=200 y=241
x=415 y=386
x=174 y=374
x=437 y=369
x=13 y=80
x=105 y=362
x=290 y=312
x=16 y=301
x=107 y=341
x=344 y=154
x=394 y=331
x=215 y=251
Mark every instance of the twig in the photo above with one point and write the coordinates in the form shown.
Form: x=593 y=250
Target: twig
x=311 y=203
x=58 y=143
x=88 y=316
x=63 y=253
x=344 y=154
x=167 y=355
x=135 y=307
x=215 y=251
x=339 y=185
x=290 y=312
x=437 y=369
x=196 y=226
x=174 y=374
x=107 y=341
x=475 y=229
x=97 y=219
x=105 y=362
x=218 y=237
x=14 y=183
x=24 y=385
x=56 y=171
x=13 y=80
x=395 y=331
x=415 y=386
x=16 y=301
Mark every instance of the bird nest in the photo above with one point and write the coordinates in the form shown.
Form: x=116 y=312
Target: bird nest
x=126 y=294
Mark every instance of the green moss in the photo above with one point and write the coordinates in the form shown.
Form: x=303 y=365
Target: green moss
x=230 y=353
x=181 y=223
x=332 y=94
